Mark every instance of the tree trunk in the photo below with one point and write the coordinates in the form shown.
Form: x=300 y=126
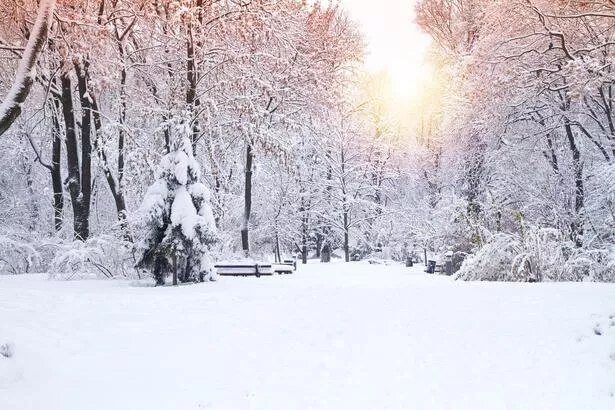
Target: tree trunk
x=325 y=253
x=245 y=242
x=122 y=113
x=576 y=226
x=72 y=156
x=346 y=233
x=278 y=256
x=174 y=268
x=34 y=208
x=192 y=78
x=122 y=134
x=304 y=226
x=304 y=238
x=56 y=170
x=81 y=67
x=159 y=270
x=552 y=155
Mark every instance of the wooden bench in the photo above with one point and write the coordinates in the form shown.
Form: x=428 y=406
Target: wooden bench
x=283 y=268
x=244 y=269
x=291 y=262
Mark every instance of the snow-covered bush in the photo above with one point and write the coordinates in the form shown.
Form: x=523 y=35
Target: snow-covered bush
x=17 y=256
x=175 y=224
x=538 y=254
x=594 y=264
x=493 y=261
x=100 y=256
x=535 y=255
x=541 y=257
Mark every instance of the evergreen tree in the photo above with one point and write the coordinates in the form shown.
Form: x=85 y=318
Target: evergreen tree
x=176 y=223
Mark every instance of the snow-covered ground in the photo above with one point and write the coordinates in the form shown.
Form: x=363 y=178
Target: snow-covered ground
x=354 y=336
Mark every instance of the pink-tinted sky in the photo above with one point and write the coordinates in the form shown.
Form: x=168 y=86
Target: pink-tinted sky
x=394 y=42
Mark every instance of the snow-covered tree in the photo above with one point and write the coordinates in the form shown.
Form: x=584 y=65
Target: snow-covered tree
x=176 y=222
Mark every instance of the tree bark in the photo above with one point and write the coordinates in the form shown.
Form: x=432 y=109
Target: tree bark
x=325 y=252
x=319 y=240
x=576 y=226
x=278 y=256
x=304 y=231
x=56 y=170
x=174 y=268
x=82 y=67
x=346 y=235
x=72 y=156
x=552 y=155
x=245 y=242
x=192 y=78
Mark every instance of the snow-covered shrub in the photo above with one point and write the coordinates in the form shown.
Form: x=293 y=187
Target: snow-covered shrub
x=100 y=256
x=493 y=261
x=535 y=255
x=541 y=257
x=17 y=256
x=538 y=254
x=594 y=264
x=175 y=224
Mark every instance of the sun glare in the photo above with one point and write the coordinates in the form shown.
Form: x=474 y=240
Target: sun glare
x=395 y=44
x=406 y=80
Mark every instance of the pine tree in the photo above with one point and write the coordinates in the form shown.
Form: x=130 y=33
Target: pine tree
x=176 y=223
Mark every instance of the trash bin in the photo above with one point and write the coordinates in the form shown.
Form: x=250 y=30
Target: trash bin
x=409 y=262
x=431 y=267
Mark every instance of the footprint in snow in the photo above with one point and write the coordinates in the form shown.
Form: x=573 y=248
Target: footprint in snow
x=598 y=329
x=6 y=350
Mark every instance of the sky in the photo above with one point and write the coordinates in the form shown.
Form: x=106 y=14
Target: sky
x=394 y=42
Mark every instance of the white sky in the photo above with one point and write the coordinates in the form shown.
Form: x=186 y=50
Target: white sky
x=394 y=42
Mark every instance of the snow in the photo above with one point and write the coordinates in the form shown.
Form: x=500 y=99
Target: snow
x=154 y=203
x=181 y=167
x=200 y=191
x=183 y=213
x=338 y=336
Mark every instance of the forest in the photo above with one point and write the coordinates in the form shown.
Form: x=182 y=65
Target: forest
x=136 y=133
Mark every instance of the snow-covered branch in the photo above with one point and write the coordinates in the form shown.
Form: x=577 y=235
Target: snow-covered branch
x=11 y=106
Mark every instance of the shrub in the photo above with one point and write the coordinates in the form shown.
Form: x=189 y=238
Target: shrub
x=17 y=256
x=101 y=256
x=535 y=255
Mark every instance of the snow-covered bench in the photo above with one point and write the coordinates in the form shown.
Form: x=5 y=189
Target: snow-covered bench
x=287 y=266
x=282 y=267
x=244 y=269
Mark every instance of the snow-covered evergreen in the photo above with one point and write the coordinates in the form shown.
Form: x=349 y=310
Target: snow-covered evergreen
x=176 y=223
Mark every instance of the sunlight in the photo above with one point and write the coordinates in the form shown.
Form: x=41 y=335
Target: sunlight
x=406 y=80
x=394 y=45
